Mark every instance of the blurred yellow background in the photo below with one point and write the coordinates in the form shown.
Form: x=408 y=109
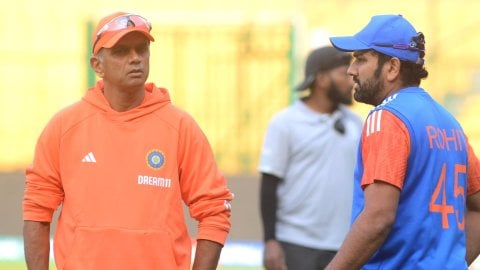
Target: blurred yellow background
x=231 y=64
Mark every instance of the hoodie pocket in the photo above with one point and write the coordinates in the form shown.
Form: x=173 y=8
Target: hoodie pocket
x=117 y=248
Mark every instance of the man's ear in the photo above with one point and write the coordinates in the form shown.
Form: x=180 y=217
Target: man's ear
x=97 y=66
x=393 y=69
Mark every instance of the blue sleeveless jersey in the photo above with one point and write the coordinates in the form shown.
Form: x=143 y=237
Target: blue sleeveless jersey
x=428 y=232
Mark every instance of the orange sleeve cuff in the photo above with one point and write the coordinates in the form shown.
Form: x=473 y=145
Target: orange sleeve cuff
x=215 y=228
x=36 y=213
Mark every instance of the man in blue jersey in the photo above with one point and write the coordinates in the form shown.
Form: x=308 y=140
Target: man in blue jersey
x=417 y=180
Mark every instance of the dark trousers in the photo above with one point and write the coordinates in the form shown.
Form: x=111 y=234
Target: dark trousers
x=304 y=258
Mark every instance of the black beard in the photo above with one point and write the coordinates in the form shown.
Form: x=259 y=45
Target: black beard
x=338 y=97
x=368 y=91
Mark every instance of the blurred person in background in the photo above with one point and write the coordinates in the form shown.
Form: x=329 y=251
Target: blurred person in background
x=121 y=162
x=306 y=167
x=417 y=180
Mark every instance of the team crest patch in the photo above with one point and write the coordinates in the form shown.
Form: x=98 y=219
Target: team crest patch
x=155 y=159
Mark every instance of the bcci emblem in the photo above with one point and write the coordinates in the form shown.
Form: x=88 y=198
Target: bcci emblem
x=155 y=159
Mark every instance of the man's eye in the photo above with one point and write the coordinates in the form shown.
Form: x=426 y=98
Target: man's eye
x=119 y=51
x=142 y=49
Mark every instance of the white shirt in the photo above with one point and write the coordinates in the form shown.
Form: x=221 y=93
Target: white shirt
x=316 y=163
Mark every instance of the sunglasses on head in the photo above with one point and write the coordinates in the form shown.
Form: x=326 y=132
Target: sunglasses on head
x=417 y=43
x=123 y=22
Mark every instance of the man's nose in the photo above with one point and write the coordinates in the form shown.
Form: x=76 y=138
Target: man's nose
x=351 y=71
x=133 y=54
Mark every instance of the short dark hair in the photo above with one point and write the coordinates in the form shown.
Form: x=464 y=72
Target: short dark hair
x=410 y=73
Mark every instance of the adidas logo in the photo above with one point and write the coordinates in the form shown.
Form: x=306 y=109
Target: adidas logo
x=89 y=158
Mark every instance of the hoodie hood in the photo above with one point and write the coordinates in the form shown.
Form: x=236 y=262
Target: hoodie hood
x=155 y=98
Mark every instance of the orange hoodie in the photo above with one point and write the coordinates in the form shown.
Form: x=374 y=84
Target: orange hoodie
x=121 y=178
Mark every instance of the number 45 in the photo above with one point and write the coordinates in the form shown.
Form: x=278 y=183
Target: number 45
x=443 y=208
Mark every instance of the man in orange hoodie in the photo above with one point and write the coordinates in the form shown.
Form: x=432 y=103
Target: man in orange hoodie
x=121 y=162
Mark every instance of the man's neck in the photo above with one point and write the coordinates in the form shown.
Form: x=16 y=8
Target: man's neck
x=124 y=99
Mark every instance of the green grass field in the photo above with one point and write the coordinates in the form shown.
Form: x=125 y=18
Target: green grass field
x=21 y=266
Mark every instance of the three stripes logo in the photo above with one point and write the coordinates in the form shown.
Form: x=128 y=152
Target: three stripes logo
x=374 y=119
x=373 y=122
x=89 y=158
